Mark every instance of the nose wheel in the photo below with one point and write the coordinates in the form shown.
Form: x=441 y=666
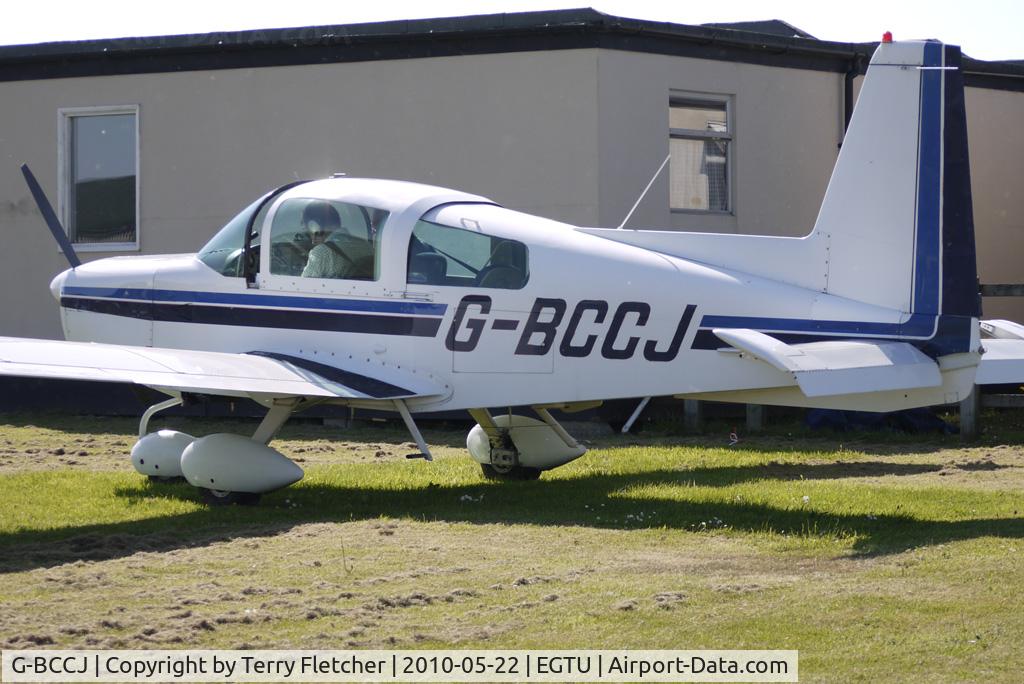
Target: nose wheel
x=220 y=497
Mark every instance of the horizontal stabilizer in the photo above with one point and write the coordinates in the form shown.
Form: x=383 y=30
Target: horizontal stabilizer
x=229 y=374
x=1000 y=329
x=1003 y=360
x=840 y=367
x=1002 y=363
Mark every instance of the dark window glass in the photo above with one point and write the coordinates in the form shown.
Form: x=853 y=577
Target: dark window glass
x=102 y=169
x=441 y=255
x=699 y=140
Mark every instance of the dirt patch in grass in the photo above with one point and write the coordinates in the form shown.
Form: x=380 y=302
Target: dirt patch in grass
x=93 y=444
x=147 y=599
x=368 y=594
x=982 y=467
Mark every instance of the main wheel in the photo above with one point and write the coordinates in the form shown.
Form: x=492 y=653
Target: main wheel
x=219 y=497
x=514 y=473
x=161 y=479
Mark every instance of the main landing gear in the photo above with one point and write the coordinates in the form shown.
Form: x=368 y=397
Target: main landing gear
x=234 y=469
x=226 y=468
x=510 y=447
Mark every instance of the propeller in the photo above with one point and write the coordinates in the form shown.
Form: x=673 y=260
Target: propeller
x=59 y=234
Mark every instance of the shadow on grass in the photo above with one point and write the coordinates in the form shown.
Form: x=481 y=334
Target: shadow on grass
x=561 y=502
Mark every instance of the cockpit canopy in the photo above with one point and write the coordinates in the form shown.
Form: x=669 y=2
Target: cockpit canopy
x=343 y=239
x=324 y=235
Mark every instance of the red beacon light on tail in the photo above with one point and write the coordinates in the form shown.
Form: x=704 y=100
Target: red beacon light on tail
x=887 y=37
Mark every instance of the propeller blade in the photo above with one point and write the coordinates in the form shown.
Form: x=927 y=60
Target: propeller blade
x=59 y=234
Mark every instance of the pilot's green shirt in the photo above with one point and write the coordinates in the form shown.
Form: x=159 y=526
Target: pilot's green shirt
x=343 y=257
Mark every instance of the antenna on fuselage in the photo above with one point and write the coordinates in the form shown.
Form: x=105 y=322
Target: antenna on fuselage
x=644 y=193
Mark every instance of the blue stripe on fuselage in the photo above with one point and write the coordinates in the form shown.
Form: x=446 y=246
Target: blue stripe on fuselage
x=281 y=301
x=918 y=325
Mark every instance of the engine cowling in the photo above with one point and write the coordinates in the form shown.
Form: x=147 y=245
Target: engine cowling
x=538 y=445
x=234 y=463
x=158 y=454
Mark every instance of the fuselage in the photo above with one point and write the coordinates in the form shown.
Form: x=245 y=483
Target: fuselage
x=568 y=316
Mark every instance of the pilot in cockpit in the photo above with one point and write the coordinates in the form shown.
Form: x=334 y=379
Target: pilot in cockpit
x=334 y=253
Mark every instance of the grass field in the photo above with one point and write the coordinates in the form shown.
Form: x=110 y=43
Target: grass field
x=881 y=558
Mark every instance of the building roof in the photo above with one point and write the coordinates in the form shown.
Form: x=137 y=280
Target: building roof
x=494 y=33
x=772 y=27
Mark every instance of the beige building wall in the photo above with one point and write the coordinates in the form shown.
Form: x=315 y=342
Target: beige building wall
x=994 y=119
x=786 y=126
x=518 y=127
x=572 y=135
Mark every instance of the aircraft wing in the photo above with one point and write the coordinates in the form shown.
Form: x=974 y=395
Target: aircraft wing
x=246 y=375
x=840 y=366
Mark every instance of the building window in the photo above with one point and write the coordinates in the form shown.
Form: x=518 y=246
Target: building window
x=700 y=137
x=99 y=176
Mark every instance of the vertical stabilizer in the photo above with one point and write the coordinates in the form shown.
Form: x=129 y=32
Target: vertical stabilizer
x=897 y=213
x=960 y=291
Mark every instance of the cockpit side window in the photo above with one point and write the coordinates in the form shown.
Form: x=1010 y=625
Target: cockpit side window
x=442 y=255
x=313 y=238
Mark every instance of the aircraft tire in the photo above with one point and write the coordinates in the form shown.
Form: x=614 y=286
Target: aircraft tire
x=515 y=473
x=217 y=497
x=161 y=479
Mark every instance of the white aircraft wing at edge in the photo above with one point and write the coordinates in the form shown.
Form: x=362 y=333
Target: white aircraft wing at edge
x=246 y=375
x=1003 y=360
x=840 y=367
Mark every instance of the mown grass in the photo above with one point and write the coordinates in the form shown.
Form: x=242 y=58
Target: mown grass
x=881 y=559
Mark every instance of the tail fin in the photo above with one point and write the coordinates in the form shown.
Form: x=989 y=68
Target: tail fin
x=904 y=162
x=896 y=227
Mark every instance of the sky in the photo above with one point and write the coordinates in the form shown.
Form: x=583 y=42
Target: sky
x=985 y=29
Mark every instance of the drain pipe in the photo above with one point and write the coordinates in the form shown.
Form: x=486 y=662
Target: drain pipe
x=856 y=62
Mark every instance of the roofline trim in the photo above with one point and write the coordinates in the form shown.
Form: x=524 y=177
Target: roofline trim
x=481 y=34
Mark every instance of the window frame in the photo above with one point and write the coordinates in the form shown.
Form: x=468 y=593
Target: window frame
x=680 y=98
x=65 y=115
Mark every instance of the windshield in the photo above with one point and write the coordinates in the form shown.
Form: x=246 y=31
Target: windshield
x=223 y=253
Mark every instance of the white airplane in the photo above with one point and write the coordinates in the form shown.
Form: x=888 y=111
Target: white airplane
x=411 y=298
